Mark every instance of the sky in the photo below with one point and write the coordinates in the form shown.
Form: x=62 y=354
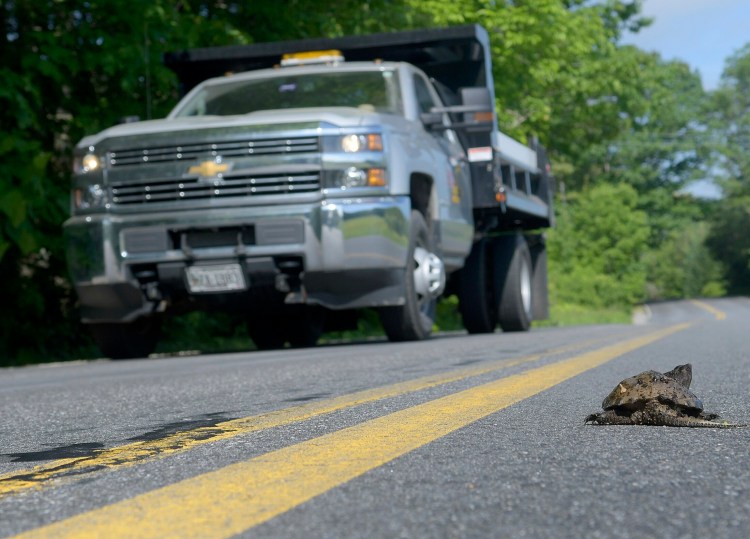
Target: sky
x=703 y=33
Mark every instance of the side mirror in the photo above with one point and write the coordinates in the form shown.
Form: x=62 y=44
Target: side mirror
x=129 y=119
x=482 y=118
x=432 y=120
x=475 y=114
x=477 y=96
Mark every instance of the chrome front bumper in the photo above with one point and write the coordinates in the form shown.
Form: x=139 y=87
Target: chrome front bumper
x=352 y=252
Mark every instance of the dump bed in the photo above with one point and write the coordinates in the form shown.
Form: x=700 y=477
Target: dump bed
x=455 y=56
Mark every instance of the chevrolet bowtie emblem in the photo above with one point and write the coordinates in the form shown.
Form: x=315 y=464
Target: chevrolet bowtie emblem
x=208 y=169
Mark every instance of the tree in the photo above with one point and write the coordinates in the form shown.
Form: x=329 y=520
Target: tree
x=68 y=68
x=662 y=146
x=683 y=266
x=551 y=59
x=595 y=251
x=730 y=119
x=729 y=241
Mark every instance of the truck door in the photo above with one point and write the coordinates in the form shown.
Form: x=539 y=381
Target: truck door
x=453 y=183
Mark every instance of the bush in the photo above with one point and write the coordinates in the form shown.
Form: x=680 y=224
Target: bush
x=595 y=252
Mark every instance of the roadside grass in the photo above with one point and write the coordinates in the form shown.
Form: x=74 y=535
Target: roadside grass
x=204 y=332
x=220 y=332
x=216 y=332
x=569 y=314
x=561 y=314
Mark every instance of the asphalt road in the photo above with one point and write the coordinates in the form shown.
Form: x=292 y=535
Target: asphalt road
x=459 y=436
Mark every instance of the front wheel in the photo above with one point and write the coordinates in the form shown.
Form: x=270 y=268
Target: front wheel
x=424 y=281
x=127 y=341
x=304 y=330
x=301 y=326
x=267 y=332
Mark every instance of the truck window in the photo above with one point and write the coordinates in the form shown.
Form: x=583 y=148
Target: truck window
x=424 y=97
x=447 y=96
x=373 y=90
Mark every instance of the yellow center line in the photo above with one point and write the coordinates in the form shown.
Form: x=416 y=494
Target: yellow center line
x=720 y=315
x=233 y=499
x=137 y=452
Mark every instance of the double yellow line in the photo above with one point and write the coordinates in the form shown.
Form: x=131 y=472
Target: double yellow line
x=233 y=499
x=718 y=314
x=136 y=452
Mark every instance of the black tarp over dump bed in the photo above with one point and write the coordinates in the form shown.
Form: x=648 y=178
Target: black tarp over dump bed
x=458 y=56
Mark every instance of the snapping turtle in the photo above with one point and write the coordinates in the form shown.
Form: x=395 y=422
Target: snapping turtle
x=653 y=398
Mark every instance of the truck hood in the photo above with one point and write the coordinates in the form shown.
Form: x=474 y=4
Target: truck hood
x=271 y=121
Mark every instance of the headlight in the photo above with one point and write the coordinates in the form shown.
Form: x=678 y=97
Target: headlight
x=90 y=162
x=362 y=143
x=354 y=161
x=354 y=177
x=369 y=142
x=87 y=163
x=90 y=197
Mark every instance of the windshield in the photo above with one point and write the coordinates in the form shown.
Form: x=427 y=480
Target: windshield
x=371 y=90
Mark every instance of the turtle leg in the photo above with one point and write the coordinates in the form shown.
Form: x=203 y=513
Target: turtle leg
x=609 y=417
x=708 y=416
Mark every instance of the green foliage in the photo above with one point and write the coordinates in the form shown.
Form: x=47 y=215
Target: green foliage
x=550 y=60
x=448 y=316
x=595 y=251
x=659 y=145
x=207 y=332
x=730 y=119
x=683 y=266
x=368 y=325
x=729 y=241
x=575 y=314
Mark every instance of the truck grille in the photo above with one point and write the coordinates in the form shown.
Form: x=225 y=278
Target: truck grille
x=188 y=152
x=240 y=185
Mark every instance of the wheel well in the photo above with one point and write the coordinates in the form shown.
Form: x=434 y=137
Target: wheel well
x=420 y=187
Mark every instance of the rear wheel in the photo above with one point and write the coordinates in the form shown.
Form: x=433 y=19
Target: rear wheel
x=475 y=290
x=127 y=341
x=513 y=278
x=424 y=281
x=540 y=290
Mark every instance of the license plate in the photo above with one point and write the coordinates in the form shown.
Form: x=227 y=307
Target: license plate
x=223 y=278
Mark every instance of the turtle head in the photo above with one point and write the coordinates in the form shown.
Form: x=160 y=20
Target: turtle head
x=682 y=374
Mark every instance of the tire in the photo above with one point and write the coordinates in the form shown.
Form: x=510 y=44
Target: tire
x=300 y=326
x=127 y=341
x=267 y=333
x=303 y=331
x=540 y=288
x=513 y=282
x=424 y=281
x=476 y=296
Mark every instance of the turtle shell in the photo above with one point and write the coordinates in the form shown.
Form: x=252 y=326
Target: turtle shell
x=633 y=393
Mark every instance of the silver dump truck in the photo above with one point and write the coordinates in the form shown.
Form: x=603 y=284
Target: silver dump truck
x=300 y=182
